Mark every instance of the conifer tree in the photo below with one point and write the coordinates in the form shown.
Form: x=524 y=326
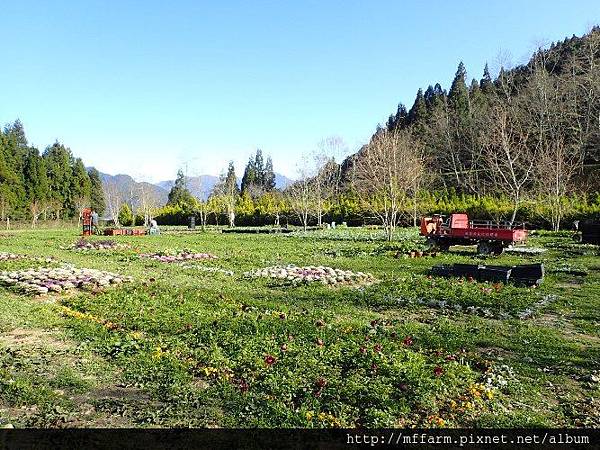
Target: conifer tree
x=250 y=177
x=418 y=112
x=179 y=193
x=58 y=162
x=81 y=186
x=458 y=97
x=269 y=176
x=486 y=84
x=97 y=201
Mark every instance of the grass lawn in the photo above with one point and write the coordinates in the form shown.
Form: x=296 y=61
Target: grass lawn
x=191 y=345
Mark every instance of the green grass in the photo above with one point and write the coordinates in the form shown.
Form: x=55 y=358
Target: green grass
x=184 y=347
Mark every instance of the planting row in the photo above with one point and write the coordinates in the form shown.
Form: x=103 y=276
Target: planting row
x=84 y=244
x=177 y=257
x=43 y=280
x=308 y=274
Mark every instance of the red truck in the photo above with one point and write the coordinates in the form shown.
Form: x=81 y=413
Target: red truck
x=490 y=237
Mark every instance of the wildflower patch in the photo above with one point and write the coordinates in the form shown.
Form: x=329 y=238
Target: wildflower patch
x=44 y=280
x=314 y=274
x=176 y=257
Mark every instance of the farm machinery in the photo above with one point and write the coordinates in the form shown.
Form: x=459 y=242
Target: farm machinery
x=491 y=238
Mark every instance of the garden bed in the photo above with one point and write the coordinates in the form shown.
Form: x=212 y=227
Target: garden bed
x=177 y=257
x=309 y=274
x=85 y=245
x=44 y=280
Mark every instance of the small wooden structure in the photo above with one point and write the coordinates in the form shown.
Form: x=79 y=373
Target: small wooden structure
x=86 y=215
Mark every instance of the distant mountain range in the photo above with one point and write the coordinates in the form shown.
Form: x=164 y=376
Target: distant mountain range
x=200 y=186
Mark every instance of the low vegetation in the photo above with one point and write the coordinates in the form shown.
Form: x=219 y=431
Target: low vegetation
x=198 y=343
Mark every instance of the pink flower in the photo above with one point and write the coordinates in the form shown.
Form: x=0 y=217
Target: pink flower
x=438 y=371
x=270 y=360
x=408 y=341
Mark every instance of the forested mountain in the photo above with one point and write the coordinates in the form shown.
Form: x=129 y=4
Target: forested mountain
x=552 y=100
x=129 y=188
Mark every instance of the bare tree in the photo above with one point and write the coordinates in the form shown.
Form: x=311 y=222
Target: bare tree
x=300 y=194
x=146 y=201
x=326 y=174
x=37 y=208
x=226 y=191
x=509 y=159
x=556 y=169
x=113 y=200
x=459 y=152
x=80 y=203
x=559 y=155
x=389 y=167
x=204 y=208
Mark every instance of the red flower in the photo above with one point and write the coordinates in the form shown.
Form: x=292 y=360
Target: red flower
x=438 y=371
x=377 y=348
x=374 y=367
x=321 y=382
x=270 y=360
x=408 y=341
x=362 y=350
x=243 y=385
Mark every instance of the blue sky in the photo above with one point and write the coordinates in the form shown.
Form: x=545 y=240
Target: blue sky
x=144 y=87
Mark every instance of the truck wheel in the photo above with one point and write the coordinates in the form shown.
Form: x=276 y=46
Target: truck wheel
x=438 y=244
x=497 y=248
x=484 y=248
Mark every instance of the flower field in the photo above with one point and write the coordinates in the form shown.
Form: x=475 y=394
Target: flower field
x=321 y=329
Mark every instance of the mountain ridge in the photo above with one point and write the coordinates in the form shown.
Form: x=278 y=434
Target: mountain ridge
x=200 y=186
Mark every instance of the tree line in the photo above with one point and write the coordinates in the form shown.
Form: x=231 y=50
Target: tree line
x=530 y=134
x=52 y=184
x=523 y=145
